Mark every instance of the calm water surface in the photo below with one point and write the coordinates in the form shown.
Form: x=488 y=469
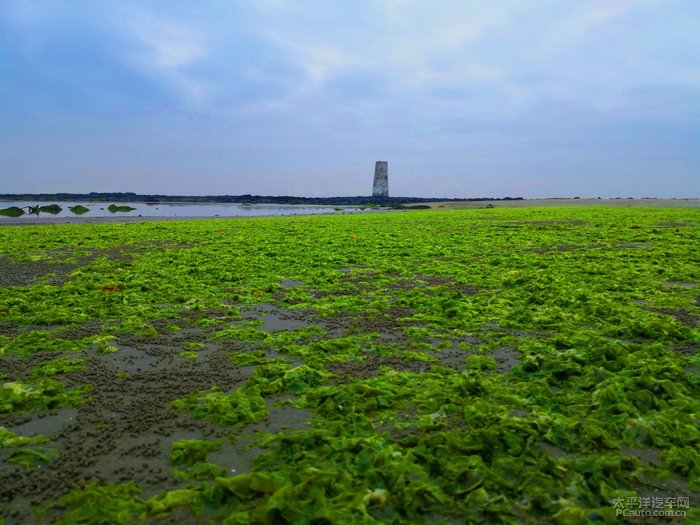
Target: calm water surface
x=99 y=209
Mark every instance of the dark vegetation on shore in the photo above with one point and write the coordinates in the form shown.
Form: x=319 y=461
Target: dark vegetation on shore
x=247 y=198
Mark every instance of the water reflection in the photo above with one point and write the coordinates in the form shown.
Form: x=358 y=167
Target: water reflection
x=16 y=209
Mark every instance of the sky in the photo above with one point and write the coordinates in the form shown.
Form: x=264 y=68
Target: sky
x=468 y=98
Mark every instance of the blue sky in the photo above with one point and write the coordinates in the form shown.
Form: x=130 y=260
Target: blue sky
x=466 y=98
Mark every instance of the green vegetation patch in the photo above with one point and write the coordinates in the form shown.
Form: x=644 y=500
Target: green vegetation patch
x=191 y=451
x=113 y=208
x=78 y=209
x=483 y=366
x=45 y=394
x=94 y=504
x=237 y=409
x=12 y=211
x=34 y=341
x=58 y=366
x=25 y=451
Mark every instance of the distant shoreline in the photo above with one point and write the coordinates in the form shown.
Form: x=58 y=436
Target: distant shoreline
x=232 y=199
x=101 y=212
x=470 y=202
x=434 y=205
x=689 y=202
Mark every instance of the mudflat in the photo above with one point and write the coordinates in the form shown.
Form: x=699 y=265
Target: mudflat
x=528 y=203
x=435 y=366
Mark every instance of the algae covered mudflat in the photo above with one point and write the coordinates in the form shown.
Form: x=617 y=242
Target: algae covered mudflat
x=532 y=365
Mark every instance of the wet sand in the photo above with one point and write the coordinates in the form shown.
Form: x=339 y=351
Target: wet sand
x=525 y=203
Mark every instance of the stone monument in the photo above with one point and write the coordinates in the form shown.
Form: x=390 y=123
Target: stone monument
x=381 y=179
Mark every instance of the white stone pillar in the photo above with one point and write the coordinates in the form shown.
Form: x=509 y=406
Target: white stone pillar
x=381 y=179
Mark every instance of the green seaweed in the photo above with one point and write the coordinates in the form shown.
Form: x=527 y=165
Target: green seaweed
x=478 y=366
x=31 y=457
x=113 y=208
x=243 y=406
x=46 y=394
x=10 y=439
x=191 y=451
x=163 y=504
x=78 y=209
x=93 y=504
x=53 y=209
x=58 y=366
x=23 y=450
x=12 y=211
x=33 y=341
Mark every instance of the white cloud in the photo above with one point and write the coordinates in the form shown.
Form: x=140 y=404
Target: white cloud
x=166 y=49
x=602 y=12
x=170 y=46
x=318 y=60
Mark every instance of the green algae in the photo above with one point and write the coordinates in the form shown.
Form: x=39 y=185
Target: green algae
x=191 y=455
x=12 y=211
x=113 y=208
x=33 y=341
x=10 y=439
x=25 y=451
x=78 y=210
x=42 y=395
x=239 y=408
x=94 y=504
x=53 y=209
x=32 y=457
x=191 y=451
x=58 y=366
x=605 y=358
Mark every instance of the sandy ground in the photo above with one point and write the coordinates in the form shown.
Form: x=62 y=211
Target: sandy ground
x=657 y=203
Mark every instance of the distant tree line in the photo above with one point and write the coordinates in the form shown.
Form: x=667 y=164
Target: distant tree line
x=242 y=199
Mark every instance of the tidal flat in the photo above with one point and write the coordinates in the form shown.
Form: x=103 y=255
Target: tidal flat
x=507 y=365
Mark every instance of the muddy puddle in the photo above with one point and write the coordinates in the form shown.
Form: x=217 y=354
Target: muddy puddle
x=46 y=424
x=130 y=359
x=455 y=357
x=27 y=273
x=679 y=284
x=238 y=456
x=672 y=487
x=646 y=456
x=275 y=319
x=291 y=283
x=634 y=245
x=506 y=359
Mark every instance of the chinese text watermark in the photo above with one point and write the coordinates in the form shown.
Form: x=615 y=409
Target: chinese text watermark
x=651 y=506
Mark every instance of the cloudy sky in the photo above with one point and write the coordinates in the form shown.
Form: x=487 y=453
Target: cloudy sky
x=463 y=98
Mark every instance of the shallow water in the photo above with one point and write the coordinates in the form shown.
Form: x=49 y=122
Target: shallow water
x=100 y=209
